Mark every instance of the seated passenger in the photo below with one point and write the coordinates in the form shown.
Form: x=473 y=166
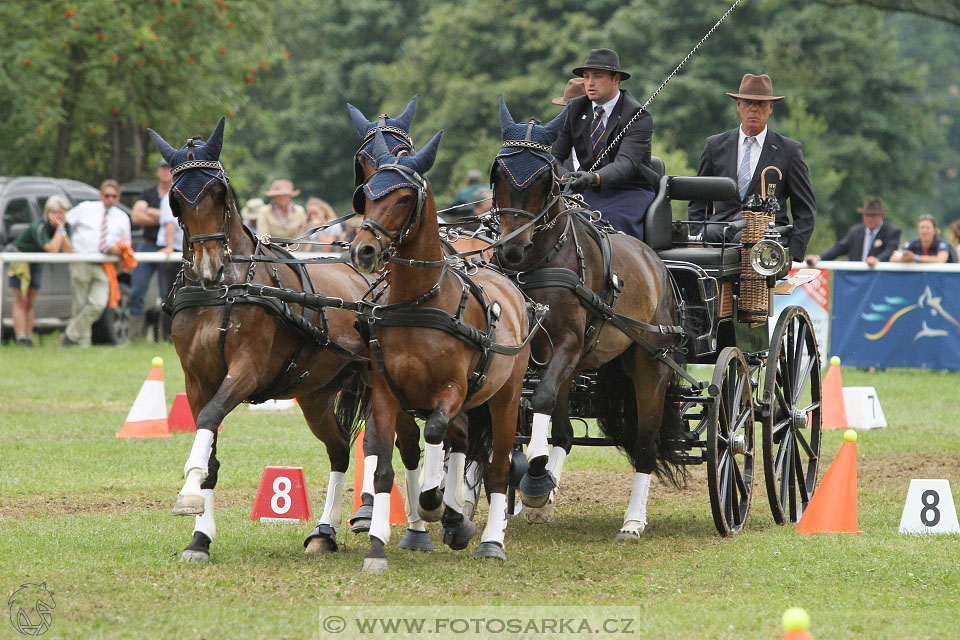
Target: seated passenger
x=928 y=246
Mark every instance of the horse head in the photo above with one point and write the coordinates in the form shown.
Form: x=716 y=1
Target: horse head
x=396 y=133
x=391 y=201
x=201 y=200
x=523 y=182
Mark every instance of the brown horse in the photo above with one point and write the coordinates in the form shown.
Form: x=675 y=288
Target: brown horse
x=560 y=256
x=438 y=345
x=236 y=344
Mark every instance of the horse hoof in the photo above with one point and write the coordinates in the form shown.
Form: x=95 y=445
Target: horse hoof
x=630 y=533
x=374 y=565
x=416 y=541
x=360 y=522
x=469 y=509
x=489 y=550
x=458 y=536
x=189 y=505
x=192 y=555
x=543 y=515
x=430 y=506
x=535 y=490
x=321 y=540
x=430 y=516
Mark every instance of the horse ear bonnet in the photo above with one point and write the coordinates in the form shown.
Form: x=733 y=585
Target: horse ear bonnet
x=523 y=164
x=395 y=142
x=190 y=184
x=387 y=179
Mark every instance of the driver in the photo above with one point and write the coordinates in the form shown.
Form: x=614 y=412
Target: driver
x=622 y=187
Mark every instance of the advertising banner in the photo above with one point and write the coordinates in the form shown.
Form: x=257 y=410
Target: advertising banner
x=814 y=297
x=896 y=319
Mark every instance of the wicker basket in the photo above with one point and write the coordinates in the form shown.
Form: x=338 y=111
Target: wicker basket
x=753 y=304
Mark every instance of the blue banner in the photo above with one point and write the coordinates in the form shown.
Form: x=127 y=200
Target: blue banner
x=896 y=319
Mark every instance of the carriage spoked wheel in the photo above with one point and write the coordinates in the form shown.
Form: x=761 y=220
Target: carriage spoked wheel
x=791 y=428
x=730 y=442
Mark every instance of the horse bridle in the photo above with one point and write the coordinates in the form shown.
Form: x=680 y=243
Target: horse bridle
x=535 y=219
x=413 y=217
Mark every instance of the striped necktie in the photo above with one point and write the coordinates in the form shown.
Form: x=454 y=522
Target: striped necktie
x=743 y=173
x=596 y=131
x=103 y=230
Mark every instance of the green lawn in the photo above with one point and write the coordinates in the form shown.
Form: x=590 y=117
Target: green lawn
x=89 y=514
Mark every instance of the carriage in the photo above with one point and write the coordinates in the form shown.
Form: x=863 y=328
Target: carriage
x=760 y=378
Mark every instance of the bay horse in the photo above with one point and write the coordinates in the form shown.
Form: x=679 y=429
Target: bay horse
x=442 y=343
x=236 y=343
x=600 y=287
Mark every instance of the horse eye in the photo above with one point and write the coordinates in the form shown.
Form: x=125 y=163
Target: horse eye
x=404 y=200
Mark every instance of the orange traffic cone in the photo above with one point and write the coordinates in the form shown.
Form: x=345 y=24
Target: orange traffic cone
x=398 y=514
x=834 y=411
x=796 y=624
x=181 y=416
x=148 y=415
x=833 y=508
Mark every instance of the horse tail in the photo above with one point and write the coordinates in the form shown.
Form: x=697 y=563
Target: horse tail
x=618 y=419
x=351 y=406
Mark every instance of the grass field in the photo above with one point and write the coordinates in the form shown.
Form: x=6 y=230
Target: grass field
x=89 y=514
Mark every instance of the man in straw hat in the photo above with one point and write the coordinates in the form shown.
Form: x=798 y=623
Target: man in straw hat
x=743 y=153
x=873 y=241
x=622 y=187
x=281 y=218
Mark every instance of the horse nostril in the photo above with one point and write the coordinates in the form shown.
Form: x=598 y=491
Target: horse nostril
x=366 y=252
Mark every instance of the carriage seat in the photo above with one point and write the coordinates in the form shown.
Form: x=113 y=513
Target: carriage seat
x=715 y=261
x=657 y=231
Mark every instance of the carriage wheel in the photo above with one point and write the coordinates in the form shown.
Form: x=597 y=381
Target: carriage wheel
x=791 y=428
x=730 y=443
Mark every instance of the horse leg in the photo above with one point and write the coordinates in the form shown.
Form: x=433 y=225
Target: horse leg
x=431 y=497
x=318 y=409
x=650 y=382
x=385 y=411
x=204 y=528
x=416 y=537
x=562 y=432
x=538 y=482
x=234 y=388
x=471 y=480
x=458 y=530
x=360 y=521
x=504 y=407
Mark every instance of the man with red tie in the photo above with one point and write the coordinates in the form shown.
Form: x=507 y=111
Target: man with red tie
x=622 y=186
x=742 y=154
x=98 y=227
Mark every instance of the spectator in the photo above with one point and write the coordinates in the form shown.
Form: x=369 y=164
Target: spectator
x=281 y=218
x=146 y=212
x=927 y=247
x=955 y=239
x=484 y=203
x=875 y=238
x=250 y=211
x=51 y=234
x=99 y=227
x=574 y=89
x=319 y=213
x=738 y=153
x=465 y=197
x=169 y=240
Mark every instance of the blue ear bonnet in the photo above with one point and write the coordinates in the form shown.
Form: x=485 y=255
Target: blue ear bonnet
x=195 y=166
x=383 y=182
x=395 y=144
x=526 y=152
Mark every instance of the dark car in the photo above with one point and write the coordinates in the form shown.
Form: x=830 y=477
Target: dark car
x=21 y=202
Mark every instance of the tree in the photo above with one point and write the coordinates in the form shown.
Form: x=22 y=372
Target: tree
x=945 y=10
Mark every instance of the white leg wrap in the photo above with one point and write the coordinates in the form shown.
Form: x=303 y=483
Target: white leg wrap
x=205 y=523
x=472 y=482
x=413 y=499
x=432 y=465
x=369 y=468
x=380 y=523
x=333 y=503
x=200 y=453
x=637 y=510
x=538 y=436
x=555 y=463
x=453 y=495
x=496 y=519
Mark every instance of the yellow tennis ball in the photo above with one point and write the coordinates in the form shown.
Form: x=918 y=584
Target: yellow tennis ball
x=850 y=435
x=835 y=360
x=157 y=361
x=795 y=619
